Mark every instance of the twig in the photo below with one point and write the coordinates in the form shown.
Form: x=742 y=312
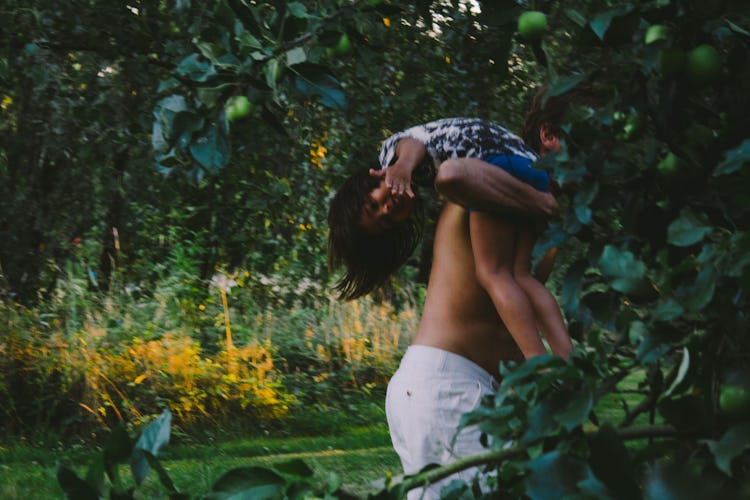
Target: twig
x=496 y=456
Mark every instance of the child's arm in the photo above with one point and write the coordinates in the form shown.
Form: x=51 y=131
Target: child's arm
x=410 y=153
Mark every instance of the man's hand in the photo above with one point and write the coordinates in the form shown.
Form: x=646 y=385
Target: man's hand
x=397 y=177
x=551 y=207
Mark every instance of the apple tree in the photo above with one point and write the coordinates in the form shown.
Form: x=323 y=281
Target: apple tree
x=655 y=287
x=654 y=233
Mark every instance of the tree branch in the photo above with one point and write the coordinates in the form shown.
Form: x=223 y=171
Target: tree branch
x=650 y=400
x=496 y=456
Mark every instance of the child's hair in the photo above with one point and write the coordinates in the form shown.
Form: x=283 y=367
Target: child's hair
x=370 y=259
x=552 y=114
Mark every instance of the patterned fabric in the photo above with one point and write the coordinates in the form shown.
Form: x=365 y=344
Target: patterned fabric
x=458 y=138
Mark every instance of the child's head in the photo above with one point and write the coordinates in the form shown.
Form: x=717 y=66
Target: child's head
x=547 y=119
x=371 y=233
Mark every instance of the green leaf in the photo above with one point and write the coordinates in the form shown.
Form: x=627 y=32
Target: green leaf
x=528 y=368
x=577 y=408
x=271 y=69
x=668 y=309
x=681 y=371
x=698 y=296
x=195 y=69
x=174 y=103
x=73 y=486
x=572 y=287
x=575 y=16
x=636 y=332
x=167 y=85
x=295 y=467
x=152 y=440
x=688 y=229
x=651 y=349
x=209 y=96
x=95 y=473
x=247 y=482
x=212 y=150
x=737 y=29
x=555 y=475
x=734 y=159
x=740 y=253
x=611 y=463
x=583 y=213
x=735 y=441
x=164 y=478
x=158 y=139
x=184 y=124
x=627 y=271
x=297 y=55
x=248 y=43
x=583 y=199
x=312 y=81
x=601 y=22
x=552 y=237
x=210 y=51
x=118 y=447
x=541 y=422
x=297 y=10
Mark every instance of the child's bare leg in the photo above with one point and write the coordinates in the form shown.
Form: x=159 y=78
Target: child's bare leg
x=547 y=311
x=492 y=242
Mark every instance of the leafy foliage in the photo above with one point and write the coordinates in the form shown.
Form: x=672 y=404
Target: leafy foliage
x=654 y=232
x=292 y=479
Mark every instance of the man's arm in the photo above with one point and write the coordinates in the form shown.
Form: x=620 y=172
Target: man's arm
x=471 y=182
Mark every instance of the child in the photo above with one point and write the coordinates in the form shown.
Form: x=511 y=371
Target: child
x=373 y=231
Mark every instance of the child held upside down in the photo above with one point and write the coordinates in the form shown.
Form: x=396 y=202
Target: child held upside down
x=375 y=222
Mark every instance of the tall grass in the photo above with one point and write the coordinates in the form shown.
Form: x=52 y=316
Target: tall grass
x=82 y=360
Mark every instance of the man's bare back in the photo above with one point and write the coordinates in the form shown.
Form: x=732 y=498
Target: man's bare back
x=458 y=314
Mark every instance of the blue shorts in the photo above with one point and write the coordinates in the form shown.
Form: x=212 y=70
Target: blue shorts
x=520 y=168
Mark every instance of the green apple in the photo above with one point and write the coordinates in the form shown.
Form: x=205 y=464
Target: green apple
x=703 y=63
x=670 y=165
x=633 y=126
x=734 y=400
x=532 y=24
x=273 y=71
x=344 y=47
x=656 y=32
x=238 y=107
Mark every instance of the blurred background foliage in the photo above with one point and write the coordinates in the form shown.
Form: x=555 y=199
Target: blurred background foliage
x=145 y=221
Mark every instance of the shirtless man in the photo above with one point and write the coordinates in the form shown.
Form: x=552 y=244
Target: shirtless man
x=454 y=358
x=448 y=368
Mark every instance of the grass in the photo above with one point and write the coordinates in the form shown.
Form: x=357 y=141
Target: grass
x=360 y=456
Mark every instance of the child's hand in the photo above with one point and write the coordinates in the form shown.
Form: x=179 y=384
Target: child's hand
x=397 y=177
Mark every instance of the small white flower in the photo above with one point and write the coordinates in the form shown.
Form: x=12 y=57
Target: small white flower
x=223 y=282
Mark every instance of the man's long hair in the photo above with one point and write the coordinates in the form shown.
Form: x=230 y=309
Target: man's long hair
x=369 y=259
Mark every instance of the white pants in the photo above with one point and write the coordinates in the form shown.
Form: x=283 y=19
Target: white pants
x=426 y=398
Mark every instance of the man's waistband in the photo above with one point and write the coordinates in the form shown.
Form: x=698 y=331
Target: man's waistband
x=423 y=360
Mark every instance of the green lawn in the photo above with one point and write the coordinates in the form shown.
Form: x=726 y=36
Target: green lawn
x=359 y=456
